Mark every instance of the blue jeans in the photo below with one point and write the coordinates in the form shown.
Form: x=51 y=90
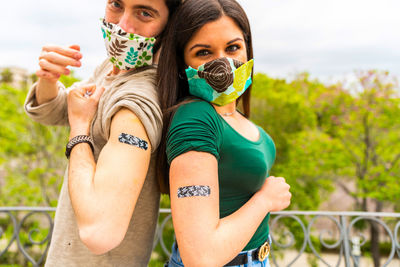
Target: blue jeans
x=176 y=261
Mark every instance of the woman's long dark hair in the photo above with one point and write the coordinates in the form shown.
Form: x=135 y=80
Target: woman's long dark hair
x=172 y=84
x=172 y=6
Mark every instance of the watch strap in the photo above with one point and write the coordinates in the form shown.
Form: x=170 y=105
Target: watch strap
x=77 y=140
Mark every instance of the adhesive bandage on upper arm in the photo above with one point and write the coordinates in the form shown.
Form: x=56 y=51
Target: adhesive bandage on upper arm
x=133 y=141
x=194 y=191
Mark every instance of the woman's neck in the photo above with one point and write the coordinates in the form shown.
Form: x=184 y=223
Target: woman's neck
x=228 y=109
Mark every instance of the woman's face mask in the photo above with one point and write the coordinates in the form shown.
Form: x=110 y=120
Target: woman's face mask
x=220 y=81
x=127 y=50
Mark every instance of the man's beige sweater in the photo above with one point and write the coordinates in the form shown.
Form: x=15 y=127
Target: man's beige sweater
x=137 y=92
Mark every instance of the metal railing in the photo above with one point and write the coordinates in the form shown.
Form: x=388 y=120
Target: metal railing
x=312 y=233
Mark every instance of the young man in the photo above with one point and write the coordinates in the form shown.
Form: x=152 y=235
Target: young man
x=108 y=207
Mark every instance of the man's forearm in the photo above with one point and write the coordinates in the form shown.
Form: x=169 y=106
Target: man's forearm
x=46 y=91
x=82 y=168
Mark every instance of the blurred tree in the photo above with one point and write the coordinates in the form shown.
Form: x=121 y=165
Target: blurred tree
x=6 y=76
x=70 y=79
x=331 y=135
x=31 y=155
x=369 y=130
x=326 y=136
x=285 y=111
x=33 y=77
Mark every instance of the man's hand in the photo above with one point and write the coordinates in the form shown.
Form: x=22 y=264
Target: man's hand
x=54 y=60
x=82 y=107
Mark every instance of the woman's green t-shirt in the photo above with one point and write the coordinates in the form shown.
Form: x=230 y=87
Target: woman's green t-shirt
x=243 y=165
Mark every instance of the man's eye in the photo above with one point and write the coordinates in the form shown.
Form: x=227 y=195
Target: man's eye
x=115 y=4
x=146 y=14
x=202 y=53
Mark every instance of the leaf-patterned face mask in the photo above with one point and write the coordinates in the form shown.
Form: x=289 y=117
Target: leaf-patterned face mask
x=220 y=81
x=127 y=50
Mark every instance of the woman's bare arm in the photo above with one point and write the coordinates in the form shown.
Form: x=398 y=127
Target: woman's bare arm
x=204 y=239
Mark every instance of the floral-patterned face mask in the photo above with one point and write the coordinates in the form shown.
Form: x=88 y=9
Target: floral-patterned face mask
x=220 y=81
x=127 y=50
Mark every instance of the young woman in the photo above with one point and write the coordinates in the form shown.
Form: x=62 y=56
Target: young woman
x=108 y=206
x=219 y=161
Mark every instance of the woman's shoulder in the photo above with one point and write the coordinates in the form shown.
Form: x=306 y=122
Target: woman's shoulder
x=194 y=127
x=195 y=110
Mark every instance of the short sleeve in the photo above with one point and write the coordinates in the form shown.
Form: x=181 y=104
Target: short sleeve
x=194 y=127
x=139 y=96
x=54 y=112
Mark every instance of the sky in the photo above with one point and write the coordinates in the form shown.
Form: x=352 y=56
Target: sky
x=329 y=39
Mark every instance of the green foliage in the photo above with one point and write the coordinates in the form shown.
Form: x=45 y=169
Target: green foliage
x=69 y=80
x=33 y=77
x=368 y=127
x=31 y=155
x=6 y=76
x=285 y=111
x=334 y=136
x=158 y=257
x=331 y=135
x=326 y=136
x=281 y=110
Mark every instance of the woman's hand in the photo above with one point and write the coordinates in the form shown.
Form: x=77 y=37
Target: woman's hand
x=275 y=192
x=54 y=60
x=82 y=106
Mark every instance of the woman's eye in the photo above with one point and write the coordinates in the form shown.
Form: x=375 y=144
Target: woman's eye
x=202 y=53
x=232 y=48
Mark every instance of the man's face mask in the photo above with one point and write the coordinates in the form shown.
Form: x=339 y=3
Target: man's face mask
x=220 y=81
x=127 y=50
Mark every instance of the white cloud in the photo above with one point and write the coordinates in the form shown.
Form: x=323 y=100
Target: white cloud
x=325 y=37
x=32 y=24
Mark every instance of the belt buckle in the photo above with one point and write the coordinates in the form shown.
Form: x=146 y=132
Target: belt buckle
x=263 y=252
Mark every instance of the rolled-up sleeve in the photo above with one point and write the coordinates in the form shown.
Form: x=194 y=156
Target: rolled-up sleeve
x=140 y=97
x=194 y=128
x=54 y=112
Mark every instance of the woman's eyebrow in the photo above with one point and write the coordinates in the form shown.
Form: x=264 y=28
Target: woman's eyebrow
x=147 y=8
x=199 y=45
x=234 y=40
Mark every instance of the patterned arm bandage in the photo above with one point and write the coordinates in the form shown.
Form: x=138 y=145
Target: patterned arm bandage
x=133 y=141
x=194 y=191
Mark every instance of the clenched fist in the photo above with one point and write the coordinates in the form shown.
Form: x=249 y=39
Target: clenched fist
x=275 y=192
x=82 y=107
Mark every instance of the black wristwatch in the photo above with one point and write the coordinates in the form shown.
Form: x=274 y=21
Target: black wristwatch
x=76 y=140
